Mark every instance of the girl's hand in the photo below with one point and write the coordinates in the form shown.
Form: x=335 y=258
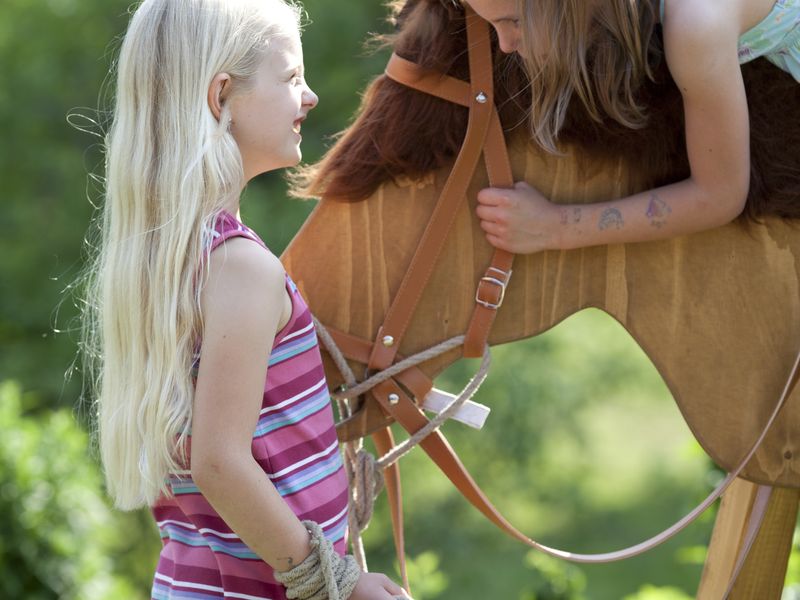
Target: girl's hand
x=519 y=220
x=376 y=586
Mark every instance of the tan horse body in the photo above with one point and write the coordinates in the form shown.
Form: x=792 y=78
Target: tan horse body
x=718 y=313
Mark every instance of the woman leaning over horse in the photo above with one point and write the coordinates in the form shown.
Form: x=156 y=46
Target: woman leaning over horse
x=597 y=52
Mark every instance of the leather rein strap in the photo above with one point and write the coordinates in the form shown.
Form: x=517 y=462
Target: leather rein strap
x=478 y=95
x=484 y=132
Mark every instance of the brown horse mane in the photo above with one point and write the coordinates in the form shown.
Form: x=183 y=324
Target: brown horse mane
x=400 y=133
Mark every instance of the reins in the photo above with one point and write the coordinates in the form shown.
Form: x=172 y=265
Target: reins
x=364 y=470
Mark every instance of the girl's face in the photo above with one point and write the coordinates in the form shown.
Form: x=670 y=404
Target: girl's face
x=504 y=17
x=266 y=117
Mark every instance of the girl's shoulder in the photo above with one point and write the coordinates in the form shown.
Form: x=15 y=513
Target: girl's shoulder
x=693 y=19
x=240 y=262
x=243 y=279
x=700 y=38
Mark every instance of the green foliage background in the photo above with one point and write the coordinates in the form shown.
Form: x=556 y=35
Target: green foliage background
x=584 y=448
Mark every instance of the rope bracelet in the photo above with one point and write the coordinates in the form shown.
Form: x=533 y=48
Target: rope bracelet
x=324 y=574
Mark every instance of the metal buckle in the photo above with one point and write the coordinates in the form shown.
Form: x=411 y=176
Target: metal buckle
x=502 y=283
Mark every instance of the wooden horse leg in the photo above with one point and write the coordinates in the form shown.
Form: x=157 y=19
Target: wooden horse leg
x=764 y=570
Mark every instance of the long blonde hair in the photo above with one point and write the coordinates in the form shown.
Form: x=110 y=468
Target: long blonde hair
x=171 y=166
x=597 y=50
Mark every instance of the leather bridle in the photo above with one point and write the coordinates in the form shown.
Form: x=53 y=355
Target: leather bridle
x=397 y=395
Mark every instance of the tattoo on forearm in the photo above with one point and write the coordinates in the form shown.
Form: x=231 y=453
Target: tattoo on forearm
x=570 y=215
x=657 y=211
x=289 y=561
x=610 y=217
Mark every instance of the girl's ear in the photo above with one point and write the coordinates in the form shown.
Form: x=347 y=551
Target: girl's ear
x=217 y=92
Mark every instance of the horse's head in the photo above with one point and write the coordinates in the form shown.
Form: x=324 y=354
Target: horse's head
x=702 y=292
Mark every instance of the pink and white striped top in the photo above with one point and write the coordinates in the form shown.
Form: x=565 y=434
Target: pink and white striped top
x=294 y=442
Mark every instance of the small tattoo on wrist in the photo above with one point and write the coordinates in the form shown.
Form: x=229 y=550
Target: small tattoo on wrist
x=570 y=215
x=657 y=211
x=610 y=217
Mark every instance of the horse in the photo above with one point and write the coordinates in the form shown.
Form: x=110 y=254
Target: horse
x=715 y=312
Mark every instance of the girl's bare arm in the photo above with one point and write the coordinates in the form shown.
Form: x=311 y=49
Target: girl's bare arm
x=242 y=305
x=701 y=53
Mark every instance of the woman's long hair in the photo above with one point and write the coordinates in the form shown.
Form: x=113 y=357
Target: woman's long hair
x=170 y=168
x=599 y=52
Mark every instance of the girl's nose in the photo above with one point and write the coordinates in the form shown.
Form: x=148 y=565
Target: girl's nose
x=310 y=98
x=509 y=42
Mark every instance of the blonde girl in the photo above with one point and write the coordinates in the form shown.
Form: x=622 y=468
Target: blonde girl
x=211 y=399
x=596 y=52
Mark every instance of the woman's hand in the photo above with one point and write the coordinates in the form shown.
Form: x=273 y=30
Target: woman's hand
x=376 y=586
x=520 y=219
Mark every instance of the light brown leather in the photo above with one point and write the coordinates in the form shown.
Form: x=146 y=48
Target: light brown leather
x=384 y=441
x=369 y=417
x=498 y=167
x=433 y=239
x=491 y=287
x=430 y=82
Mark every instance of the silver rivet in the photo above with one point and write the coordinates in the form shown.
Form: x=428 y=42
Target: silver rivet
x=394 y=398
x=481 y=98
x=388 y=341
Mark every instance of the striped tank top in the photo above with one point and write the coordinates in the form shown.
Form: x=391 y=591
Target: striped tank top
x=294 y=442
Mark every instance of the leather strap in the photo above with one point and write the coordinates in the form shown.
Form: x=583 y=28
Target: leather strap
x=359 y=350
x=384 y=441
x=370 y=418
x=433 y=239
x=410 y=74
x=436 y=446
x=492 y=286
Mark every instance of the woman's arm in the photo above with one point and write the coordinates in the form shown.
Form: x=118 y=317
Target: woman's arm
x=701 y=53
x=242 y=306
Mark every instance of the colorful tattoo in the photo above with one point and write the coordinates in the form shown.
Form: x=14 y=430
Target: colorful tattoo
x=610 y=217
x=657 y=211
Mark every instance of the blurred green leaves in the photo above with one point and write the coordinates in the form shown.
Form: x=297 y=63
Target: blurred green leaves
x=425 y=577
x=58 y=536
